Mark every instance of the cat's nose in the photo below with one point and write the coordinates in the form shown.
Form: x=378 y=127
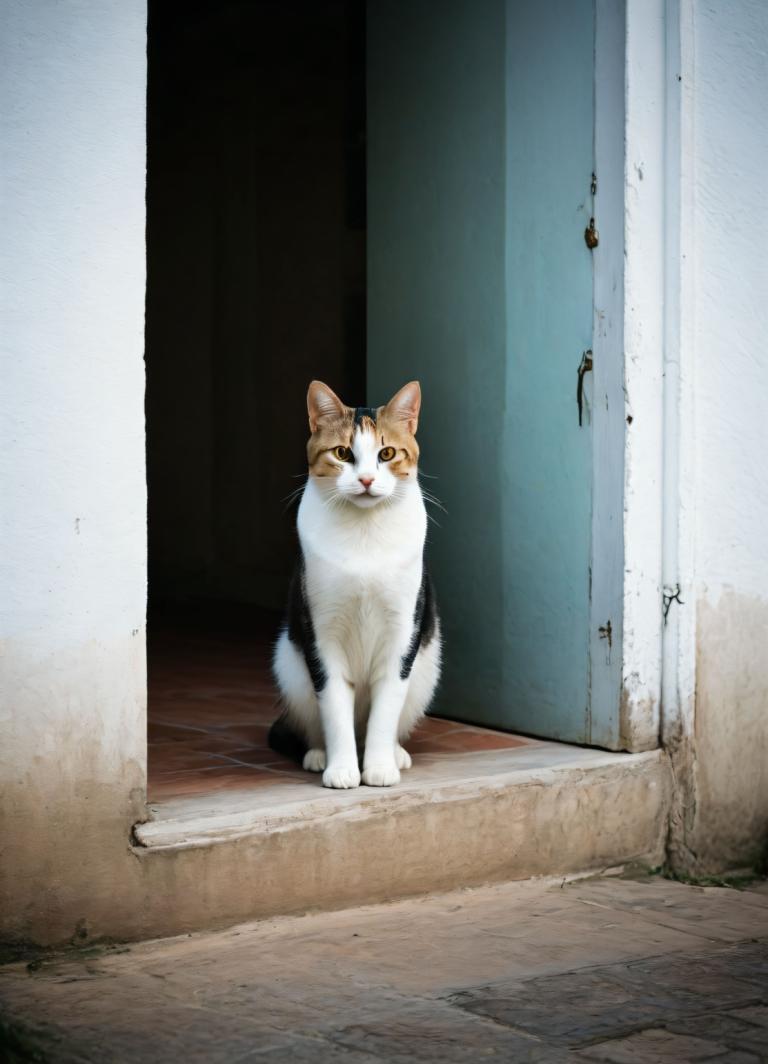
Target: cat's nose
x=366 y=482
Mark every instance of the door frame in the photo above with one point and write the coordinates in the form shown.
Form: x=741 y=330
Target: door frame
x=642 y=509
x=624 y=675
x=657 y=681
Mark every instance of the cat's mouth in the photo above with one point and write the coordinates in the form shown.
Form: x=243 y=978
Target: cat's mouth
x=366 y=497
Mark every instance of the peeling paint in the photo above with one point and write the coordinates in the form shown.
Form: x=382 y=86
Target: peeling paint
x=638 y=717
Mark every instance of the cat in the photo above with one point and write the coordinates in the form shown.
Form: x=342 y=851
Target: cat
x=358 y=659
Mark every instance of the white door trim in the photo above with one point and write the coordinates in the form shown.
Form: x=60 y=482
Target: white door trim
x=658 y=669
x=644 y=250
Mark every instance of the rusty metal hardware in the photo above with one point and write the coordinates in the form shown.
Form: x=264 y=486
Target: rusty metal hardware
x=670 y=595
x=584 y=367
x=591 y=235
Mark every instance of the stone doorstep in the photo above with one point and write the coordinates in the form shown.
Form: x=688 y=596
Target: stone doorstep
x=217 y=818
x=546 y=810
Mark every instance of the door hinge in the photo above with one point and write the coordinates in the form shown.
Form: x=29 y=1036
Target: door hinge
x=584 y=367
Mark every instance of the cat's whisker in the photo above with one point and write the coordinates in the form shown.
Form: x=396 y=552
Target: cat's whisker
x=334 y=500
x=291 y=499
x=428 y=497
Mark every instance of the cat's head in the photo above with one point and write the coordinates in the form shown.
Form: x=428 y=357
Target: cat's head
x=363 y=455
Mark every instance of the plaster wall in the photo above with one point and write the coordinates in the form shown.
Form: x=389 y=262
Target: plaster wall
x=695 y=376
x=725 y=325
x=72 y=547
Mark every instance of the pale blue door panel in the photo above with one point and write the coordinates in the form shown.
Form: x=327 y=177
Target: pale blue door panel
x=480 y=127
x=547 y=472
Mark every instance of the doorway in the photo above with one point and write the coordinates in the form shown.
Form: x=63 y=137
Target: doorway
x=368 y=194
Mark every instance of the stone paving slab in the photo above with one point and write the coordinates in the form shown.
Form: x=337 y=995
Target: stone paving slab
x=599 y=969
x=659 y=1045
x=586 y=1006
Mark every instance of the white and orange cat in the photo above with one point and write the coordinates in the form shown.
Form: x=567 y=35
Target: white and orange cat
x=358 y=660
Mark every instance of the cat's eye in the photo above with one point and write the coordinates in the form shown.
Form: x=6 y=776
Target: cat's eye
x=386 y=454
x=342 y=453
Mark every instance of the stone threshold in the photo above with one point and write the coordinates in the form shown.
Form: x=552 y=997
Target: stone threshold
x=211 y=818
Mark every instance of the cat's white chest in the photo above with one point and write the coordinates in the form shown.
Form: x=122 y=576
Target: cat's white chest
x=363 y=572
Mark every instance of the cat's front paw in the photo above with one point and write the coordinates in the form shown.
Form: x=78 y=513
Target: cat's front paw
x=342 y=776
x=381 y=774
x=314 y=760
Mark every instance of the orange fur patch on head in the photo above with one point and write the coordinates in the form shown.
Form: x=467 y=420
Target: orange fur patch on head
x=332 y=425
x=396 y=424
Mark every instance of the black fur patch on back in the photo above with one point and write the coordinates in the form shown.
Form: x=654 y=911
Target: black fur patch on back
x=365 y=411
x=424 y=621
x=301 y=631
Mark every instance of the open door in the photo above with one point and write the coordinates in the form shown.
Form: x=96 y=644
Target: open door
x=481 y=188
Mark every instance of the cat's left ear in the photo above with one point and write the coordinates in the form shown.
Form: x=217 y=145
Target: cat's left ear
x=405 y=406
x=322 y=402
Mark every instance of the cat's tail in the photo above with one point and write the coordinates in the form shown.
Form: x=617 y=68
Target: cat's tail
x=284 y=740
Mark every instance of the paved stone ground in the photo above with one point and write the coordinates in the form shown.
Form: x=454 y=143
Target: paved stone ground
x=600 y=969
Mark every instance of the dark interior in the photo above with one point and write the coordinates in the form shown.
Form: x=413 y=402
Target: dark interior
x=256 y=283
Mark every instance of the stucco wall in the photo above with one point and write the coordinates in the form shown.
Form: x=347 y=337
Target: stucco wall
x=696 y=381
x=728 y=335
x=72 y=706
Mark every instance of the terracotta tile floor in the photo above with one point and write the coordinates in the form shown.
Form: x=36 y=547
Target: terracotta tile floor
x=212 y=700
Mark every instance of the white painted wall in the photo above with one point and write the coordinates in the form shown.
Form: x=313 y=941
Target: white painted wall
x=725 y=342
x=696 y=489
x=730 y=316
x=72 y=487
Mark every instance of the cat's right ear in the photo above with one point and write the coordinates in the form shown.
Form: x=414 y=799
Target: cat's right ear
x=322 y=402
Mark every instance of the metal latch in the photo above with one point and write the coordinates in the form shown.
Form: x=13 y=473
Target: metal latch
x=584 y=367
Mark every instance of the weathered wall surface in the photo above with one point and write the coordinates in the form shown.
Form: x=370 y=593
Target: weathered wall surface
x=696 y=379
x=729 y=828
x=72 y=548
x=730 y=331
